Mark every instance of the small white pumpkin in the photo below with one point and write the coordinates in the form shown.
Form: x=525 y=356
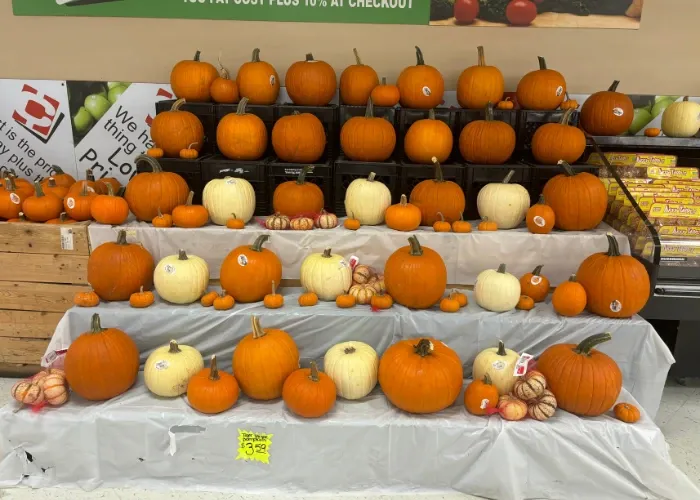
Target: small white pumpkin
x=497 y=290
x=681 y=119
x=169 y=369
x=353 y=367
x=499 y=363
x=367 y=200
x=230 y=195
x=326 y=275
x=181 y=279
x=503 y=203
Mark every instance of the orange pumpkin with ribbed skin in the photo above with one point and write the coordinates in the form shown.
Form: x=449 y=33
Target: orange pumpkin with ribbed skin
x=543 y=89
x=627 y=413
x=534 y=285
x=23 y=186
x=366 y=138
x=585 y=381
x=558 y=141
x=540 y=217
x=79 y=206
x=102 y=185
x=192 y=79
x=212 y=391
x=149 y=192
x=258 y=81
x=62 y=179
x=62 y=219
x=109 y=209
x=50 y=186
x=579 y=201
x=569 y=298
x=487 y=142
x=480 y=395
x=102 y=363
x=428 y=138
x=607 y=113
x=385 y=95
x=116 y=270
x=438 y=195
x=241 y=136
x=420 y=86
x=403 y=216
x=10 y=200
x=189 y=215
x=311 y=82
x=420 y=375
x=309 y=393
x=246 y=272
x=42 y=206
x=617 y=286
x=479 y=85
x=175 y=130
x=299 y=138
x=415 y=276
x=224 y=90
x=294 y=198
x=357 y=82
x=263 y=360
x=89 y=182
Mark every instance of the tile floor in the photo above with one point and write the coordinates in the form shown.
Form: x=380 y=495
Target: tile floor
x=679 y=419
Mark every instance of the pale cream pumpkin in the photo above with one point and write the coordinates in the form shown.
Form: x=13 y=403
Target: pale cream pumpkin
x=681 y=119
x=230 y=195
x=353 y=367
x=169 y=368
x=326 y=275
x=363 y=293
x=499 y=364
x=497 y=290
x=182 y=278
x=503 y=203
x=367 y=200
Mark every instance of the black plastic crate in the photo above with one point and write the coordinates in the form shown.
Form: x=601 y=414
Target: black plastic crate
x=268 y=114
x=328 y=116
x=477 y=176
x=412 y=174
x=255 y=172
x=540 y=174
x=347 y=171
x=321 y=175
x=190 y=170
x=530 y=121
x=346 y=112
x=206 y=112
x=464 y=117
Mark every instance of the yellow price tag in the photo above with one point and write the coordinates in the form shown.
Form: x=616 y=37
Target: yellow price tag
x=254 y=446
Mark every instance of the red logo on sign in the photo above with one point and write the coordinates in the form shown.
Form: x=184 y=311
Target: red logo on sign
x=40 y=115
x=161 y=93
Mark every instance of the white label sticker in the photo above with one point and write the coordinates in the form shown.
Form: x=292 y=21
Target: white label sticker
x=536 y=280
x=14 y=198
x=169 y=268
x=162 y=365
x=231 y=181
x=427 y=91
x=616 y=306
x=522 y=364
x=354 y=261
x=242 y=260
x=484 y=403
x=539 y=221
x=560 y=90
x=618 y=111
x=498 y=365
x=343 y=263
x=70 y=203
x=272 y=80
x=67 y=239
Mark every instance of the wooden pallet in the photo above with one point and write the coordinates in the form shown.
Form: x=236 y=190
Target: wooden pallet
x=41 y=268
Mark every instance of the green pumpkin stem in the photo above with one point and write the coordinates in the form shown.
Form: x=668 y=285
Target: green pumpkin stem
x=309 y=57
x=357 y=57
x=587 y=345
x=543 y=63
x=257 y=245
x=613 y=247
x=213 y=370
x=541 y=200
x=121 y=191
x=240 y=109
x=256 y=55
x=190 y=198
x=489 y=112
x=567 y=168
x=110 y=189
x=181 y=255
x=174 y=348
x=613 y=87
x=302 y=175
x=501 y=348
x=481 y=56
x=57 y=170
x=196 y=55
x=438 y=170
x=537 y=270
x=178 y=104
x=369 y=110
x=501 y=269
x=508 y=177
x=155 y=166
x=486 y=379
x=38 y=189
x=327 y=253
x=573 y=278
x=423 y=348
x=566 y=116
x=431 y=114
x=371 y=177
x=313 y=375
x=384 y=80
x=96 y=327
x=416 y=250
x=258 y=331
x=419 y=57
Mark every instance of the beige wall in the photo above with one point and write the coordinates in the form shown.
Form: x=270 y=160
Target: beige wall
x=660 y=58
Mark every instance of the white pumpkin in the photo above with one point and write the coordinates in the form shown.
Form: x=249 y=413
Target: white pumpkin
x=503 y=203
x=230 y=195
x=326 y=275
x=497 y=290
x=169 y=369
x=353 y=367
x=366 y=200
x=499 y=363
x=181 y=279
x=681 y=119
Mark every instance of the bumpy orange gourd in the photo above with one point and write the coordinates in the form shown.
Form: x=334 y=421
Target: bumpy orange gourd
x=224 y=90
x=558 y=141
x=385 y=95
x=189 y=215
x=487 y=142
x=309 y=393
x=535 y=285
x=540 y=217
x=149 y=192
x=109 y=209
x=175 y=130
x=366 y=138
x=79 y=206
x=294 y=198
x=543 y=89
x=627 y=413
x=357 y=82
x=480 y=395
x=212 y=391
x=403 y=216
x=258 y=81
x=420 y=86
x=10 y=200
x=479 y=85
x=311 y=82
x=607 y=112
x=192 y=79
x=428 y=138
x=438 y=195
x=246 y=272
x=299 y=138
x=42 y=206
x=569 y=298
x=240 y=135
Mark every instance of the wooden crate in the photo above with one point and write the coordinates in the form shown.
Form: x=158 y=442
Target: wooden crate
x=41 y=268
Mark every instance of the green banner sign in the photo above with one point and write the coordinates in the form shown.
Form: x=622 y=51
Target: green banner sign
x=322 y=11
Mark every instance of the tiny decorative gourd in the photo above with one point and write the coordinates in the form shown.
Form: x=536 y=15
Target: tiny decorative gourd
x=569 y=298
x=530 y=386
x=351 y=223
x=487 y=225
x=499 y=363
x=308 y=299
x=208 y=299
x=627 y=413
x=273 y=300
x=449 y=304
x=353 y=368
x=381 y=300
x=497 y=290
x=168 y=369
x=511 y=408
x=479 y=85
x=223 y=302
x=234 y=222
x=535 y=285
x=141 y=299
x=461 y=225
x=326 y=220
x=308 y=392
x=86 y=299
x=277 y=222
x=542 y=407
x=181 y=278
x=212 y=391
x=504 y=203
x=345 y=301
x=162 y=220
x=525 y=303
x=325 y=274
x=357 y=82
x=301 y=224
x=442 y=226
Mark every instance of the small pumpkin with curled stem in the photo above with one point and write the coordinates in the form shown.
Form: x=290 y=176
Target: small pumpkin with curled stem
x=385 y=94
x=224 y=302
x=627 y=413
x=141 y=299
x=459 y=297
x=441 y=226
x=505 y=104
x=569 y=103
x=351 y=223
x=461 y=225
x=273 y=300
x=449 y=304
x=86 y=299
x=208 y=299
x=223 y=89
x=189 y=215
x=235 y=223
x=189 y=153
x=345 y=301
x=487 y=225
x=308 y=299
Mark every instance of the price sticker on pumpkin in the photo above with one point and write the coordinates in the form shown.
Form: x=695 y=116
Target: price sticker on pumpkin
x=254 y=446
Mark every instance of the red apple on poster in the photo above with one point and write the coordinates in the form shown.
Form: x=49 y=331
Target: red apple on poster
x=521 y=12
x=466 y=11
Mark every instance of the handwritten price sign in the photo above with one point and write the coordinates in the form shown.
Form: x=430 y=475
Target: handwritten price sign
x=254 y=446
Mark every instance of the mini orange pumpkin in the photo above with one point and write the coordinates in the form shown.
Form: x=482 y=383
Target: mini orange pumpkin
x=441 y=226
x=86 y=299
x=543 y=89
x=109 y=209
x=627 y=413
x=381 y=301
x=311 y=82
x=385 y=95
x=449 y=304
x=189 y=215
x=480 y=395
x=652 y=132
x=540 y=217
x=535 y=285
x=487 y=225
x=487 y=142
x=258 y=81
x=461 y=225
x=235 y=223
x=141 y=299
x=351 y=223
x=175 y=130
x=192 y=79
x=525 y=303
x=428 y=138
x=208 y=299
x=460 y=297
x=569 y=298
x=506 y=104
x=357 y=82
x=308 y=299
x=479 y=85
x=224 y=90
x=569 y=103
x=345 y=301
x=273 y=300
x=224 y=302
x=162 y=220
x=155 y=153
x=420 y=86
x=299 y=138
x=189 y=153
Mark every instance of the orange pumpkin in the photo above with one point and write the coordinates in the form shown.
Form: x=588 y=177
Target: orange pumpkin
x=62 y=219
x=428 y=138
x=569 y=298
x=442 y=226
x=10 y=200
x=540 y=217
x=192 y=80
x=627 y=413
x=311 y=82
x=403 y=216
x=79 y=206
x=487 y=225
x=246 y=272
x=525 y=303
x=293 y=198
x=351 y=223
x=105 y=181
x=558 y=141
x=438 y=195
x=162 y=220
x=89 y=182
x=23 y=186
x=189 y=215
x=607 y=113
x=652 y=132
x=212 y=391
x=487 y=142
x=579 y=201
x=357 y=82
x=141 y=299
x=86 y=299
x=534 y=285
x=420 y=86
x=568 y=103
x=241 y=136
x=480 y=395
x=50 y=186
x=308 y=392
x=149 y=192
x=299 y=138
x=543 y=89
x=506 y=104
x=366 y=138
x=189 y=153
x=258 y=81
x=62 y=179
x=175 y=130
x=109 y=209
x=585 y=381
x=224 y=90
x=461 y=225
x=480 y=85
x=42 y=206
x=385 y=95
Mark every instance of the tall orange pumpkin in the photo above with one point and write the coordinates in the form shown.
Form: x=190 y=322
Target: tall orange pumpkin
x=479 y=85
x=175 y=130
x=428 y=138
x=558 y=141
x=487 y=142
x=585 y=381
x=607 y=112
x=192 y=79
x=579 y=200
x=116 y=270
x=420 y=375
x=617 y=286
x=438 y=195
x=299 y=138
x=311 y=82
x=543 y=89
x=79 y=206
x=415 y=276
x=241 y=136
x=148 y=192
x=357 y=82
x=258 y=81
x=421 y=86
x=294 y=198
x=366 y=138
x=248 y=271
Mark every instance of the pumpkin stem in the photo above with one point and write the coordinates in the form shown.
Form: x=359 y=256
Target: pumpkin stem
x=313 y=374
x=302 y=175
x=160 y=214
x=588 y=344
x=384 y=80
x=110 y=189
x=442 y=218
x=543 y=64
x=155 y=166
x=258 y=332
x=240 y=109
x=214 y=370
x=84 y=190
x=57 y=170
x=327 y=253
x=431 y=114
x=89 y=175
x=685 y=99
x=567 y=168
x=613 y=87
x=256 y=55
x=416 y=250
x=174 y=348
x=369 y=110
x=52 y=182
x=613 y=247
x=196 y=55
x=424 y=347
x=39 y=190
x=121 y=237
x=181 y=255
x=572 y=278
x=178 y=104
x=222 y=70
x=349 y=350
x=541 y=200
x=486 y=379
x=404 y=200
x=371 y=176
x=357 y=57
x=438 y=170
x=259 y=242
x=63 y=217
x=190 y=197
x=509 y=177
x=419 y=57
x=141 y=289
x=566 y=116
x=502 y=269
x=10 y=184
x=537 y=270
x=489 y=112
x=481 y=56
x=309 y=57
x=96 y=326
x=501 y=348
x=274 y=288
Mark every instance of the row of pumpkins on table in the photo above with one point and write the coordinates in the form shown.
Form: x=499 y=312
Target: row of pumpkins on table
x=419 y=376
